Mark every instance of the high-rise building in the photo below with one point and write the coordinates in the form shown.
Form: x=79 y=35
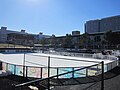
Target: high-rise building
x=110 y=23
x=92 y=26
x=103 y=25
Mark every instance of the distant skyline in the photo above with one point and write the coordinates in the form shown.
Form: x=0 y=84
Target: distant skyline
x=57 y=17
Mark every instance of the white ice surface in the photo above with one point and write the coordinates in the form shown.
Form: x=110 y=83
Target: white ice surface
x=41 y=60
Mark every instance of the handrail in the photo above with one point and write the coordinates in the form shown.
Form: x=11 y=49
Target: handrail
x=80 y=54
x=38 y=80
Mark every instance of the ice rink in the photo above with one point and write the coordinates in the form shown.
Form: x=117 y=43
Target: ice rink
x=41 y=60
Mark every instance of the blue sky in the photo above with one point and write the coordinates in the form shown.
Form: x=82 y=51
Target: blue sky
x=57 y=17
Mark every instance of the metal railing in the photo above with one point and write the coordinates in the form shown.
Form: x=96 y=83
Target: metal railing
x=56 y=80
x=53 y=76
x=41 y=70
x=95 y=55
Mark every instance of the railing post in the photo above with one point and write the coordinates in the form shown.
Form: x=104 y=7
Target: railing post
x=107 y=67
x=48 y=73
x=41 y=73
x=57 y=72
x=102 y=76
x=24 y=66
x=14 y=69
x=111 y=65
x=86 y=72
x=26 y=71
x=0 y=65
x=73 y=72
x=6 y=66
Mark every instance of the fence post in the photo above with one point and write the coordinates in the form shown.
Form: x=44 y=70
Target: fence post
x=48 y=73
x=14 y=69
x=86 y=72
x=0 y=65
x=73 y=72
x=26 y=71
x=57 y=72
x=102 y=76
x=41 y=73
x=24 y=66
